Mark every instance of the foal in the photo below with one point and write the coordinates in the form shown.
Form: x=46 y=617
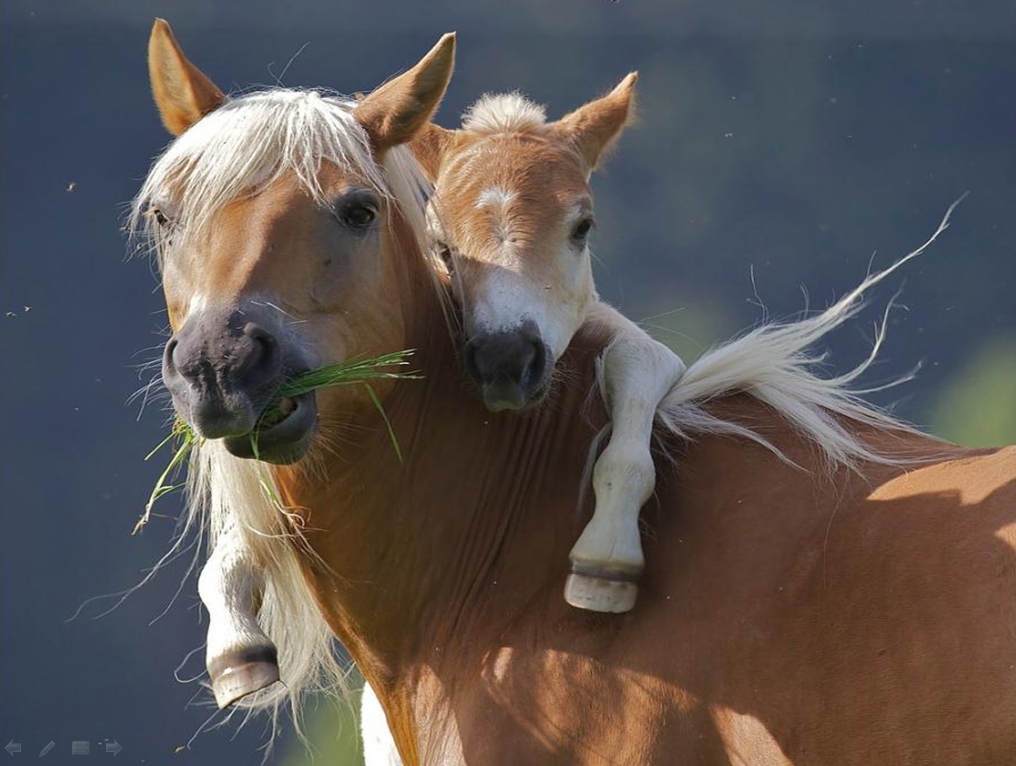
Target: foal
x=510 y=217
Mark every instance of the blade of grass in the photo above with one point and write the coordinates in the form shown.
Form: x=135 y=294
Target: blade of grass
x=186 y=440
x=351 y=372
x=384 y=417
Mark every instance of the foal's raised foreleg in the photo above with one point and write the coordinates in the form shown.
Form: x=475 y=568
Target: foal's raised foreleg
x=240 y=658
x=607 y=559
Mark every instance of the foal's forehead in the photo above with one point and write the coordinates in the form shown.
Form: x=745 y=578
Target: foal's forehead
x=514 y=168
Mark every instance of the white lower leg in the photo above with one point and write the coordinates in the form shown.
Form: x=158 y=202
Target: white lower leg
x=607 y=559
x=240 y=658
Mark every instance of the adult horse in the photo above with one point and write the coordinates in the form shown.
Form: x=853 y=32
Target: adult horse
x=805 y=597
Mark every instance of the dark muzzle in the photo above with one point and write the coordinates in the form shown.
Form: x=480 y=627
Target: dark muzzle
x=510 y=367
x=223 y=370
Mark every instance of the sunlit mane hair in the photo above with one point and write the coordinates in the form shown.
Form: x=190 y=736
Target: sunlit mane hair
x=503 y=113
x=253 y=140
x=241 y=147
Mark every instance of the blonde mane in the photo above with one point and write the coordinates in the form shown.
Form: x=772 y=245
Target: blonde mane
x=503 y=113
x=255 y=139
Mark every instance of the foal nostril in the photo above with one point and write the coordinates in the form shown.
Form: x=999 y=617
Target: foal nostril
x=470 y=363
x=537 y=365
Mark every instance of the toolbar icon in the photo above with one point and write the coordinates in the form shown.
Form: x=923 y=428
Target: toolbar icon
x=81 y=747
x=48 y=747
x=13 y=747
x=113 y=747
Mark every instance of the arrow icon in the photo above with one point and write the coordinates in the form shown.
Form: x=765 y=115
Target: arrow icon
x=13 y=747
x=113 y=747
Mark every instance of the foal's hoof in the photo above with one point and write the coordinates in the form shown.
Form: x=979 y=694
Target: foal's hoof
x=601 y=590
x=237 y=674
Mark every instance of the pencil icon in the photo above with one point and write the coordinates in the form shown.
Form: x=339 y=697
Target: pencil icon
x=46 y=749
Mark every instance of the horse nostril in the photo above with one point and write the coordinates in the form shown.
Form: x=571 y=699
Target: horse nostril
x=261 y=360
x=168 y=362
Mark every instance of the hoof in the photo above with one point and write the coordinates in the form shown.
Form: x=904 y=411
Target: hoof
x=611 y=592
x=237 y=674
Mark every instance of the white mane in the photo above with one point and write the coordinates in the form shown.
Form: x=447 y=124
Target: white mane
x=503 y=113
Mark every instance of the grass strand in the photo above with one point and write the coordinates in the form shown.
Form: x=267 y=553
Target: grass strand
x=356 y=371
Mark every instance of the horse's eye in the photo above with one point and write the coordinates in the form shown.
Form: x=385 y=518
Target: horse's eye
x=581 y=231
x=357 y=215
x=159 y=216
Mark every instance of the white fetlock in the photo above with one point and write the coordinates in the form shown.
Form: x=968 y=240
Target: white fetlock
x=606 y=564
x=241 y=659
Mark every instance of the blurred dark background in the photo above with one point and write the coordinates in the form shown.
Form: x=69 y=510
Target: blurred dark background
x=784 y=142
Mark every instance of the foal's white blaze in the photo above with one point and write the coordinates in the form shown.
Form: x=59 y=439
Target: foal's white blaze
x=496 y=197
x=508 y=295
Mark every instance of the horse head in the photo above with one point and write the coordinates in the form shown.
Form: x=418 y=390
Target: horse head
x=277 y=218
x=510 y=216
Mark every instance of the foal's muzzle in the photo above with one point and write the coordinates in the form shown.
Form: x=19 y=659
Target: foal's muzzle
x=511 y=367
x=224 y=369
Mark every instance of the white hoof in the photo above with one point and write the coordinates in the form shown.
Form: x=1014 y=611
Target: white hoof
x=238 y=674
x=600 y=594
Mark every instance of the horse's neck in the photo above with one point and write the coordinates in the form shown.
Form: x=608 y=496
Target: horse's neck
x=416 y=544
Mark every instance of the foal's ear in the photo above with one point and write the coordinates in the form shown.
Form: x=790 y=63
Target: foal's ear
x=429 y=148
x=397 y=111
x=182 y=92
x=594 y=126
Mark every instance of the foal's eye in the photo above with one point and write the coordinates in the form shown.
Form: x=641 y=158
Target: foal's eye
x=581 y=231
x=445 y=253
x=357 y=215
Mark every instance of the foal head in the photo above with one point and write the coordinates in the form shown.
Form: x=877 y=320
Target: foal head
x=510 y=215
x=280 y=219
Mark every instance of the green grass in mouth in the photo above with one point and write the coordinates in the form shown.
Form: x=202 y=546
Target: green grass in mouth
x=353 y=372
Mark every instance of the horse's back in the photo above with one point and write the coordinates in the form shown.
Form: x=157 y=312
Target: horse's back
x=857 y=618
x=861 y=619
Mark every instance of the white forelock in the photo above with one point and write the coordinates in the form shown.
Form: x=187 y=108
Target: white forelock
x=503 y=113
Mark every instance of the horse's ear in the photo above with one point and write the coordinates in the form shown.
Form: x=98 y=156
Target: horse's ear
x=182 y=92
x=429 y=148
x=397 y=111
x=594 y=126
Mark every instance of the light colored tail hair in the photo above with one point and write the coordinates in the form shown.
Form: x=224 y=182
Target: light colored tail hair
x=777 y=364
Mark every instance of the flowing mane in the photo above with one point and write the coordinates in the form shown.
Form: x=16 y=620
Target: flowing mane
x=255 y=139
